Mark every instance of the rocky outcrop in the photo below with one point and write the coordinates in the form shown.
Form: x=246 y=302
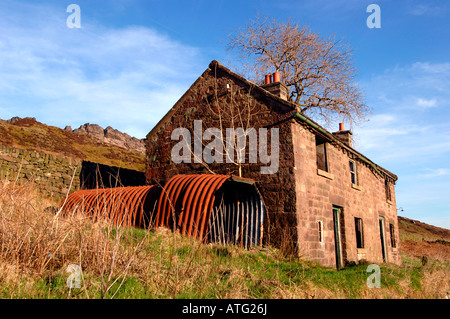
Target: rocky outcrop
x=110 y=136
x=27 y=121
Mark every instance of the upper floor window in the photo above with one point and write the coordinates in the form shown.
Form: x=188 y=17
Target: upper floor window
x=321 y=154
x=353 y=175
x=388 y=190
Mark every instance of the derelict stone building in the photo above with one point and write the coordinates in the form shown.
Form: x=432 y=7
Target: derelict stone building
x=323 y=198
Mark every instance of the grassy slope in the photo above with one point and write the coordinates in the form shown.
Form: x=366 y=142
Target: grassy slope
x=36 y=249
x=32 y=135
x=419 y=239
x=415 y=230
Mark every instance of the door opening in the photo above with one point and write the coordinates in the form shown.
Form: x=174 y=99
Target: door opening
x=337 y=236
x=382 y=238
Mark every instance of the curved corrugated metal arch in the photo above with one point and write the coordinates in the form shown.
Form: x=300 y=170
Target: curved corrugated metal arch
x=126 y=206
x=215 y=208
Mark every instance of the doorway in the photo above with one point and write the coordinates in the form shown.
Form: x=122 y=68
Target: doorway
x=382 y=237
x=337 y=236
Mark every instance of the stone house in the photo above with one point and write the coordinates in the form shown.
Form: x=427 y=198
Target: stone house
x=325 y=200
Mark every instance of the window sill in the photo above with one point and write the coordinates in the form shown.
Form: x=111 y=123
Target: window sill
x=394 y=249
x=357 y=187
x=361 y=250
x=389 y=202
x=325 y=174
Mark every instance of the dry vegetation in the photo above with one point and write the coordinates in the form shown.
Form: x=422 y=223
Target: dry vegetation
x=32 y=135
x=37 y=246
x=424 y=241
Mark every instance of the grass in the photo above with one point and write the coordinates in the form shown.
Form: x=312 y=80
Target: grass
x=37 y=247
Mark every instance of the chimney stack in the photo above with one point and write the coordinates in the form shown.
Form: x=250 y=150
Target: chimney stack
x=273 y=84
x=343 y=135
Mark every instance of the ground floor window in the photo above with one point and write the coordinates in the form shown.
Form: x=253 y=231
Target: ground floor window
x=320 y=229
x=359 y=233
x=392 y=231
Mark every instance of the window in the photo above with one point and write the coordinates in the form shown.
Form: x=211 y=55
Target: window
x=359 y=233
x=320 y=229
x=321 y=154
x=388 y=190
x=353 y=176
x=392 y=231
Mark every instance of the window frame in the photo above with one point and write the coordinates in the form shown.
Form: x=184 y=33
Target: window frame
x=392 y=234
x=359 y=233
x=354 y=172
x=320 y=231
x=320 y=142
x=387 y=189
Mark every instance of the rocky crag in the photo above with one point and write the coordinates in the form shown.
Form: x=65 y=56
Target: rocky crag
x=89 y=143
x=110 y=136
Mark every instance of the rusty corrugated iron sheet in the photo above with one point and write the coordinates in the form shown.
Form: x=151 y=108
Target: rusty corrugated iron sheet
x=186 y=202
x=213 y=208
x=126 y=206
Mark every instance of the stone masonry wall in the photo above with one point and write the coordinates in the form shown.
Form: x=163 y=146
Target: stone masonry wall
x=317 y=193
x=277 y=189
x=51 y=173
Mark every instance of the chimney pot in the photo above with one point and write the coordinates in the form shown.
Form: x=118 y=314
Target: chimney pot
x=273 y=84
x=276 y=77
x=343 y=135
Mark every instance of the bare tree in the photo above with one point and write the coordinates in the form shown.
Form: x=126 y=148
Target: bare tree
x=318 y=72
x=234 y=112
x=230 y=136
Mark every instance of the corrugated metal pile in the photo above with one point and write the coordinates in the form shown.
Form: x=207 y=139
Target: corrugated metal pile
x=213 y=208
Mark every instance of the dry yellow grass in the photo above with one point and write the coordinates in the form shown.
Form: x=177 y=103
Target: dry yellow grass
x=37 y=246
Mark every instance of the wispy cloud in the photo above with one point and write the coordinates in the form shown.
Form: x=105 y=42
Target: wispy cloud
x=427 y=9
x=426 y=103
x=436 y=172
x=127 y=78
x=409 y=134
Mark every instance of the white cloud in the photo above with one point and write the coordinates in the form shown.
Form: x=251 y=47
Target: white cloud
x=426 y=103
x=426 y=9
x=437 y=172
x=125 y=78
x=409 y=134
x=404 y=123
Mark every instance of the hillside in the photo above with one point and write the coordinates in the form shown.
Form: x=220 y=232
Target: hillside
x=416 y=230
x=29 y=134
x=420 y=239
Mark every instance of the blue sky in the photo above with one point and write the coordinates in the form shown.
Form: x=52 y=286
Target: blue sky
x=131 y=60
